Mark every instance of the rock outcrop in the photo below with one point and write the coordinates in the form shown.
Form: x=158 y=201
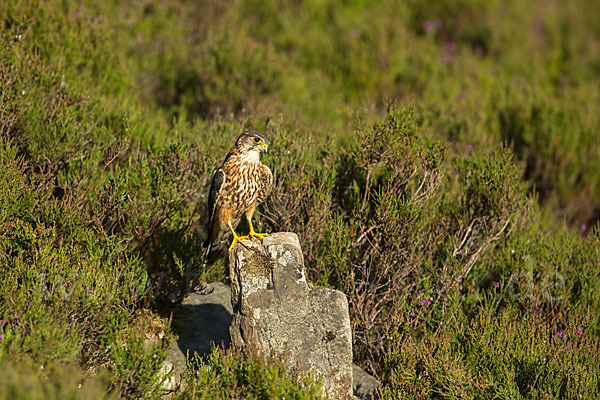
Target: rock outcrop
x=202 y=320
x=365 y=385
x=278 y=314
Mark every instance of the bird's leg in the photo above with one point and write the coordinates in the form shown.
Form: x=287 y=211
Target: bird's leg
x=252 y=233
x=249 y=215
x=236 y=238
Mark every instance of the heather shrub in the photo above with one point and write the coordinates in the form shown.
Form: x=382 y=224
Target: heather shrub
x=409 y=227
x=223 y=375
x=439 y=253
x=70 y=307
x=23 y=380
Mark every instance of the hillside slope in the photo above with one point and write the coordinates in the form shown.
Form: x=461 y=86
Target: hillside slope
x=439 y=166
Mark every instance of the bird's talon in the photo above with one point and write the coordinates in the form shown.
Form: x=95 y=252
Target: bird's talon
x=259 y=235
x=238 y=239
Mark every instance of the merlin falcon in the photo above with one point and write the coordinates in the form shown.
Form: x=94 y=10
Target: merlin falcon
x=238 y=186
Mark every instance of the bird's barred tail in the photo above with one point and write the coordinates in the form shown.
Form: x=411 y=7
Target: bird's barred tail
x=212 y=250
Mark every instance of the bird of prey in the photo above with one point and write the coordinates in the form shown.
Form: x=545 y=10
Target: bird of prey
x=238 y=186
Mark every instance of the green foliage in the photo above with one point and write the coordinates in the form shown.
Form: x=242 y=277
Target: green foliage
x=491 y=355
x=403 y=229
x=406 y=139
x=229 y=376
x=24 y=381
x=64 y=303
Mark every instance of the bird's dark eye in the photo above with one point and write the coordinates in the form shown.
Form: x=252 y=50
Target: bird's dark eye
x=256 y=140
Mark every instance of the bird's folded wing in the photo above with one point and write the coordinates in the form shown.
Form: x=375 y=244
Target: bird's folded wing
x=215 y=188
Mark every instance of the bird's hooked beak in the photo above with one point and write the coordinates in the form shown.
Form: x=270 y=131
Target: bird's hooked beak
x=265 y=148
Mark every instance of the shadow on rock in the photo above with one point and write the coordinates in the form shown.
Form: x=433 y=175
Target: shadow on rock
x=203 y=320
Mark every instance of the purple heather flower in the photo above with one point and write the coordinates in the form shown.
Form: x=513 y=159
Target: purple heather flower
x=428 y=26
x=558 y=334
x=425 y=302
x=469 y=147
x=454 y=173
x=412 y=314
x=580 y=332
x=496 y=284
x=97 y=18
x=2 y=323
x=583 y=227
x=548 y=234
x=1 y=336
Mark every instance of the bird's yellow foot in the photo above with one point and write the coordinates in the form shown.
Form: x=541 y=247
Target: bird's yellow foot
x=252 y=233
x=237 y=239
x=258 y=235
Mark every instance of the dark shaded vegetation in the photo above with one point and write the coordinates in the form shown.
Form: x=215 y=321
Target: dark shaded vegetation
x=439 y=161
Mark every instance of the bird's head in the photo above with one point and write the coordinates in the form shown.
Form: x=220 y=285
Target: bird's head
x=251 y=143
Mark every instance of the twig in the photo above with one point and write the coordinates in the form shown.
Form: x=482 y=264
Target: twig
x=457 y=249
x=362 y=236
x=364 y=203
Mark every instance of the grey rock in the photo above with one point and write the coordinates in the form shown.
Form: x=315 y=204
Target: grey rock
x=203 y=320
x=168 y=380
x=364 y=384
x=174 y=381
x=198 y=331
x=276 y=313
